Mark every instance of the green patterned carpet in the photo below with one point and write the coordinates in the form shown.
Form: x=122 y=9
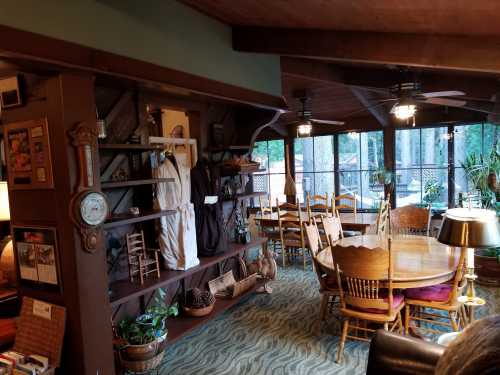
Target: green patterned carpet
x=277 y=334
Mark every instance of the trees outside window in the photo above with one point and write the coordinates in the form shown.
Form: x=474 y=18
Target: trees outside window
x=422 y=167
x=360 y=156
x=271 y=156
x=314 y=164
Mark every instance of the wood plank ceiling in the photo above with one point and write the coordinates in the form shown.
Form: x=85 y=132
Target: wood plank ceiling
x=336 y=85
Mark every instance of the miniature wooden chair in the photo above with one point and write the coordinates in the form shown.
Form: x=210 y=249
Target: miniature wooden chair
x=139 y=261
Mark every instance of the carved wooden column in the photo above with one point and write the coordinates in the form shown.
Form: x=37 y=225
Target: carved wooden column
x=68 y=101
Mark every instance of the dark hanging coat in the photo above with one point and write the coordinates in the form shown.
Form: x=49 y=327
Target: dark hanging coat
x=210 y=234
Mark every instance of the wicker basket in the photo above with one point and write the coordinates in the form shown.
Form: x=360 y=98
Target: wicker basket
x=198 y=313
x=139 y=367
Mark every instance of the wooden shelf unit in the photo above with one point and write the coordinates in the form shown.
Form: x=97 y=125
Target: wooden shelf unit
x=123 y=290
x=125 y=219
x=137 y=147
x=130 y=183
x=244 y=196
x=182 y=325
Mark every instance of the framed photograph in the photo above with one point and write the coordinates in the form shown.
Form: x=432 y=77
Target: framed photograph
x=37 y=257
x=28 y=155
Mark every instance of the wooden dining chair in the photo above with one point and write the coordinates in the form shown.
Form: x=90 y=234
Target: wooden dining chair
x=270 y=232
x=364 y=277
x=328 y=287
x=410 y=220
x=382 y=225
x=317 y=205
x=291 y=231
x=345 y=202
x=443 y=297
x=332 y=228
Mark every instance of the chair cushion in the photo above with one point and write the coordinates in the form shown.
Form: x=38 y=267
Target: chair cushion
x=438 y=293
x=397 y=300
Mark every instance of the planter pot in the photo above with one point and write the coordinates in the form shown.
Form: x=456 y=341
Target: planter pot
x=140 y=352
x=142 y=366
x=487 y=270
x=198 y=313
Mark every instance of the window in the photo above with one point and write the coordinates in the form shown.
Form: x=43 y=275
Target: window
x=271 y=156
x=314 y=167
x=422 y=167
x=360 y=156
x=477 y=139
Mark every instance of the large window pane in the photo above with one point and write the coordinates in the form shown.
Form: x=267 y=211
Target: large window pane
x=491 y=137
x=349 y=183
x=276 y=151
x=323 y=153
x=435 y=187
x=304 y=155
x=323 y=183
x=372 y=191
x=434 y=147
x=304 y=183
x=468 y=139
x=349 y=151
x=407 y=148
x=261 y=182
x=259 y=154
x=372 y=150
x=408 y=187
x=277 y=187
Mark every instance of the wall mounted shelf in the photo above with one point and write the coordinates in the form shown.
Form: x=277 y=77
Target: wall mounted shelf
x=133 y=147
x=123 y=290
x=129 y=183
x=125 y=219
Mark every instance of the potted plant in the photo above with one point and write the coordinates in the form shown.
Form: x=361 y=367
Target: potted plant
x=487 y=263
x=143 y=337
x=482 y=172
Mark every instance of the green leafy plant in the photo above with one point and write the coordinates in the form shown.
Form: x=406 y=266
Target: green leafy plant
x=152 y=324
x=478 y=167
x=432 y=191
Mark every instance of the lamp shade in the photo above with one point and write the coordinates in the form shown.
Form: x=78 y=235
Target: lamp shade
x=466 y=227
x=4 y=202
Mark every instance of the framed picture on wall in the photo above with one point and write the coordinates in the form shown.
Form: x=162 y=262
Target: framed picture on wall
x=28 y=157
x=37 y=255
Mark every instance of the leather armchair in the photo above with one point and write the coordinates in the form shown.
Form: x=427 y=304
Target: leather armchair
x=393 y=354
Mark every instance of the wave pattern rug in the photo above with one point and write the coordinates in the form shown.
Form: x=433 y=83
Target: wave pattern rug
x=277 y=334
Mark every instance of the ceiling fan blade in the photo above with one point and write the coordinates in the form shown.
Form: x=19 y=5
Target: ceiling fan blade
x=379 y=90
x=378 y=104
x=436 y=94
x=327 y=122
x=444 y=101
x=465 y=104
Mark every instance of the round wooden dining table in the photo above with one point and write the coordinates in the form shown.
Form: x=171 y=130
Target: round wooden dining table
x=418 y=261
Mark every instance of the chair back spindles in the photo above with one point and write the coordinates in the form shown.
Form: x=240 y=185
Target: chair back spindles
x=383 y=217
x=345 y=202
x=265 y=209
x=317 y=203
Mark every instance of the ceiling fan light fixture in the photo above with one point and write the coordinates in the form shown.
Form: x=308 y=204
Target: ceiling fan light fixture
x=304 y=129
x=404 y=111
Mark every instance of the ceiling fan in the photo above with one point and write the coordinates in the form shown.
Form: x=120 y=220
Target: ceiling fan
x=406 y=95
x=306 y=122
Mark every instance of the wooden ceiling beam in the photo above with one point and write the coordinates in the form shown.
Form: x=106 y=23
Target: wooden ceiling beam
x=448 y=52
x=481 y=87
x=369 y=100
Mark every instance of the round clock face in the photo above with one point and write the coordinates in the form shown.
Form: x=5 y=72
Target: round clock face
x=94 y=209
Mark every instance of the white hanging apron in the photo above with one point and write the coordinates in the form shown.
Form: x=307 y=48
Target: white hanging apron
x=177 y=237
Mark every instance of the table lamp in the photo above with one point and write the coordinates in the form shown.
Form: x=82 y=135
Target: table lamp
x=470 y=228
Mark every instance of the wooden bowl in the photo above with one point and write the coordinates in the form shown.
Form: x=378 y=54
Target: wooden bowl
x=198 y=313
